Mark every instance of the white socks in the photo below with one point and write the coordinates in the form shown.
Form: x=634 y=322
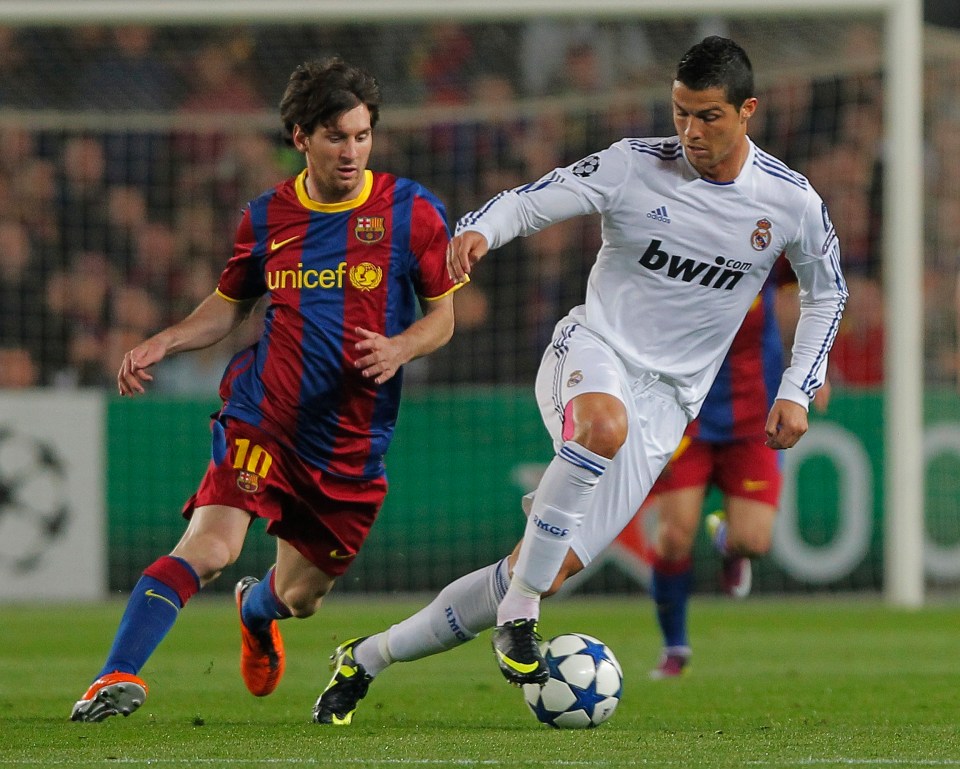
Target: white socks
x=461 y=611
x=487 y=597
x=561 y=501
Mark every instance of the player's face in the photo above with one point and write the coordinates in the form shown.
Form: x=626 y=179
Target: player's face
x=337 y=156
x=712 y=130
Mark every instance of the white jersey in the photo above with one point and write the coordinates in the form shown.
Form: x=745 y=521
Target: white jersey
x=682 y=258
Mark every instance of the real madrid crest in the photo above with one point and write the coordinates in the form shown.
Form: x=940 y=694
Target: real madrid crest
x=369 y=229
x=761 y=238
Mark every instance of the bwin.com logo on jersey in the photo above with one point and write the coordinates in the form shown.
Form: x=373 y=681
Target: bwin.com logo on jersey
x=723 y=273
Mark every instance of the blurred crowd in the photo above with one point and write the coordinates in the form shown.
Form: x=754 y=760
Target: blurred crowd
x=127 y=152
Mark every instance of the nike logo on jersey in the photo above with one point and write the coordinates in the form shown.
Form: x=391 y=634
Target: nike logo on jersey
x=280 y=244
x=723 y=273
x=659 y=214
x=152 y=594
x=339 y=555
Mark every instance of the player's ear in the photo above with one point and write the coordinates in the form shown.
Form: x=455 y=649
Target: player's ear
x=300 y=138
x=748 y=108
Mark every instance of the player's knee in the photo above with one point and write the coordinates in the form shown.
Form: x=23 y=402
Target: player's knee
x=301 y=606
x=303 y=601
x=602 y=434
x=208 y=558
x=674 y=541
x=673 y=550
x=753 y=543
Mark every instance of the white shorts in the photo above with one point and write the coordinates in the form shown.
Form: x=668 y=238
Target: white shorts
x=576 y=362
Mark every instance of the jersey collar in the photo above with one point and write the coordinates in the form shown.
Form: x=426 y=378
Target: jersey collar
x=332 y=208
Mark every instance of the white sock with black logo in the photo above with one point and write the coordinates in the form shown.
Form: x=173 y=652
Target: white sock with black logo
x=561 y=501
x=460 y=612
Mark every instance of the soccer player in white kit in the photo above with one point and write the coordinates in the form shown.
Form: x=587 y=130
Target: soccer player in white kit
x=691 y=225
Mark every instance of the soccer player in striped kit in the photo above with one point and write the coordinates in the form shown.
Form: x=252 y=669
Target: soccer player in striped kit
x=343 y=255
x=723 y=447
x=691 y=227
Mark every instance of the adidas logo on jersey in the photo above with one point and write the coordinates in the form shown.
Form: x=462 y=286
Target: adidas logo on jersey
x=723 y=273
x=659 y=214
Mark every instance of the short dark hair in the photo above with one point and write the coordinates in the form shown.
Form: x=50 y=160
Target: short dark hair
x=321 y=90
x=718 y=62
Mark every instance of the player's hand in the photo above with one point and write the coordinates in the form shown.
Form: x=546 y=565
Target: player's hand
x=786 y=424
x=464 y=251
x=133 y=370
x=384 y=355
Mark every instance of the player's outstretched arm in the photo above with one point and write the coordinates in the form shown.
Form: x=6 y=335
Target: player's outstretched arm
x=464 y=251
x=381 y=356
x=786 y=424
x=214 y=318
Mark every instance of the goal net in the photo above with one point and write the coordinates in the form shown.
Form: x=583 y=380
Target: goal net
x=128 y=150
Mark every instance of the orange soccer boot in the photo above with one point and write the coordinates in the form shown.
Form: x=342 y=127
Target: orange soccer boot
x=262 y=660
x=113 y=694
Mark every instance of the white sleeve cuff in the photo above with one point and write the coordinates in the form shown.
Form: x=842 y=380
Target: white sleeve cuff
x=790 y=392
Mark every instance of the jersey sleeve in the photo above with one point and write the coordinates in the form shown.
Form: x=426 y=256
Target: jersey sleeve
x=429 y=237
x=243 y=277
x=815 y=258
x=585 y=187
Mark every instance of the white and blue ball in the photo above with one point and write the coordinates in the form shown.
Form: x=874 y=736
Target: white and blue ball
x=585 y=685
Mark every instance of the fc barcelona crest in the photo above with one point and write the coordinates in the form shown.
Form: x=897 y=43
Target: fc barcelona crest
x=369 y=229
x=248 y=481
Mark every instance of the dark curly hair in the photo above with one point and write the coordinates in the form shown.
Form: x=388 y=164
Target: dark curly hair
x=320 y=91
x=718 y=62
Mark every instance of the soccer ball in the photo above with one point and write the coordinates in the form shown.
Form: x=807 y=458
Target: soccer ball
x=585 y=684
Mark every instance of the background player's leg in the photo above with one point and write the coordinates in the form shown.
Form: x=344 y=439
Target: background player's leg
x=740 y=533
x=749 y=527
x=679 y=517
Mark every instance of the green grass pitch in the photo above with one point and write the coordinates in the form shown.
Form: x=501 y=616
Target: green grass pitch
x=807 y=682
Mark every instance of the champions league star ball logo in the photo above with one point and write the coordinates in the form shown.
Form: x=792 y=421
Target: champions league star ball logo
x=587 y=167
x=34 y=508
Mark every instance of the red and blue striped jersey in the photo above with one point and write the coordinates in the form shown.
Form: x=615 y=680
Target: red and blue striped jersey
x=740 y=398
x=329 y=268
